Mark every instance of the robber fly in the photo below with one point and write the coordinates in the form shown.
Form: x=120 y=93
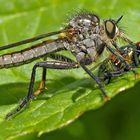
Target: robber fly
x=84 y=36
x=113 y=67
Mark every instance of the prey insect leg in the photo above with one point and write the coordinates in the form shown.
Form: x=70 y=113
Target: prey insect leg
x=46 y=65
x=109 y=75
x=120 y=58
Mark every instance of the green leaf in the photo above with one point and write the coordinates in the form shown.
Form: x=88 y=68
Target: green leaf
x=70 y=93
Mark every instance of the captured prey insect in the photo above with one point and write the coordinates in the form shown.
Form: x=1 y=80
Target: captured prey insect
x=113 y=67
x=85 y=36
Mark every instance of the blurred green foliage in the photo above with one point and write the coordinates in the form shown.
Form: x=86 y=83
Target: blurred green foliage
x=119 y=118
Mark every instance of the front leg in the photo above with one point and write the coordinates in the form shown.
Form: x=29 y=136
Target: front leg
x=120 y=57
x=96 y=79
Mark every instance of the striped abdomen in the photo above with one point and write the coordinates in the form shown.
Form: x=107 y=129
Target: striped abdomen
x=30 y=54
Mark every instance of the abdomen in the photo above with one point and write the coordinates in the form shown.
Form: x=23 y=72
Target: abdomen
x=28 y=55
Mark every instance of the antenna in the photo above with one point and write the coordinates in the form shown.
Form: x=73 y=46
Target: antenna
x=118 y=20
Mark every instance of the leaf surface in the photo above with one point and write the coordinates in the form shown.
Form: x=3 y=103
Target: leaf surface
x=70 y=93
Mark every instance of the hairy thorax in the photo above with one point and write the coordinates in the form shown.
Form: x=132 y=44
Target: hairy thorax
x=86 y=43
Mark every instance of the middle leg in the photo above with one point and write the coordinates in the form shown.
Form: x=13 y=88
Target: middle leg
x=42 y=85
x=54 y=56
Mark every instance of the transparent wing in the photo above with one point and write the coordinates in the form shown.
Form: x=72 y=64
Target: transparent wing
x=26 y=41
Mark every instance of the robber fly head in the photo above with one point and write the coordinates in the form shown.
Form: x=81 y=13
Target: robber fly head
x=111 y=28
x=113 y=31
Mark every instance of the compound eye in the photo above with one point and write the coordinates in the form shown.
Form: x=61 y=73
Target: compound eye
x=110 y=28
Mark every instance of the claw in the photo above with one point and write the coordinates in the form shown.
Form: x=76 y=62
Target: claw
x=18 y=109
